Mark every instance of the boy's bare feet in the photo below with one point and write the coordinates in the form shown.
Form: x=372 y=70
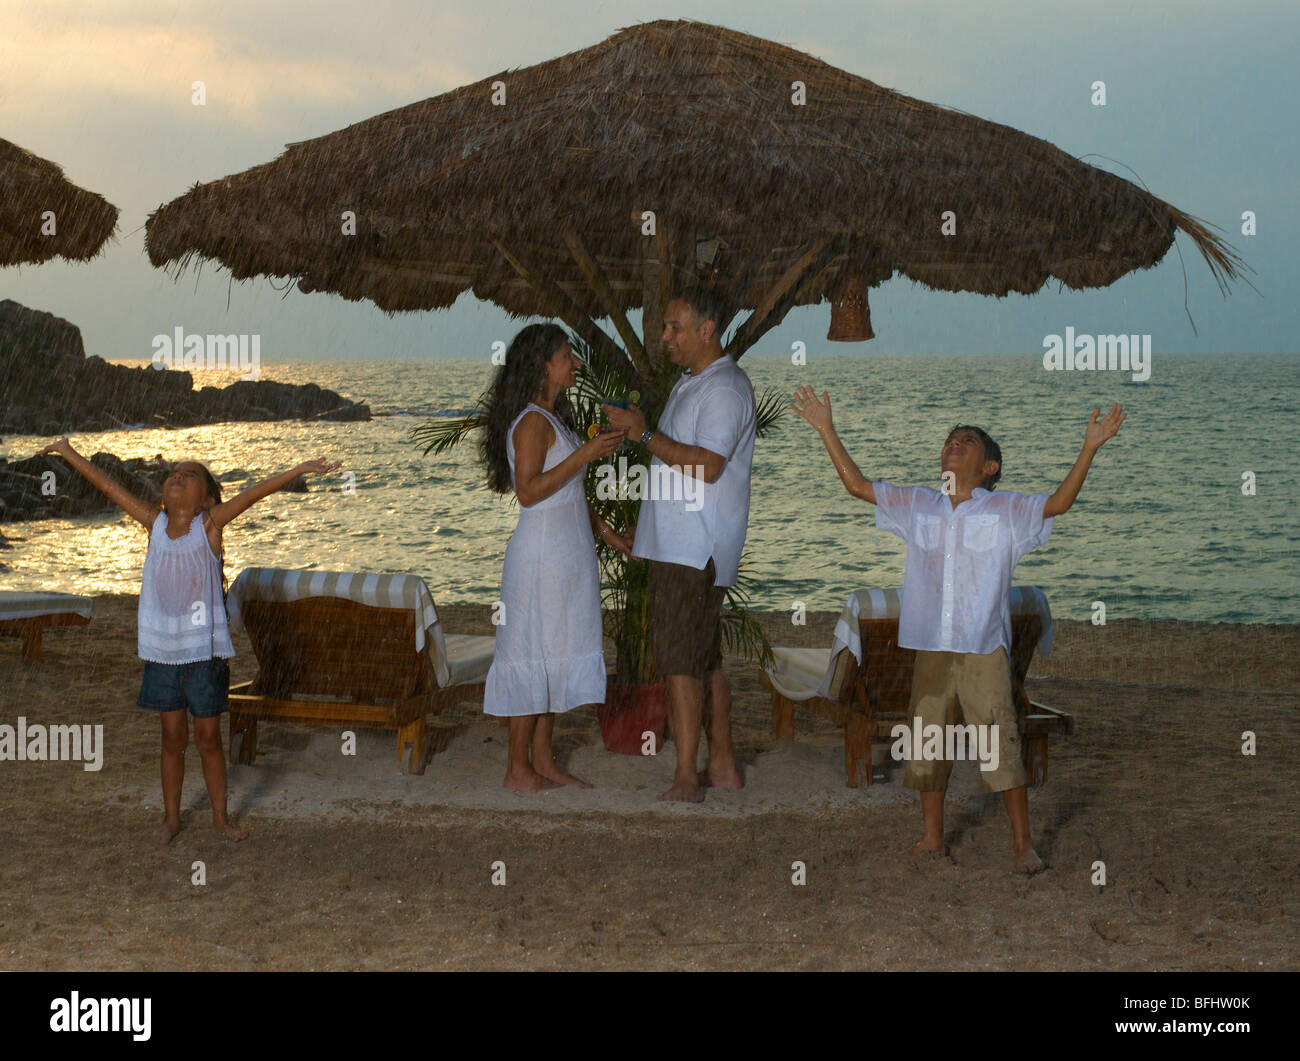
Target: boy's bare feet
x=1027 y=860
x=928 y=845
x=684 y=792
x=528 y=782
x=167 y=831
x=230 y=830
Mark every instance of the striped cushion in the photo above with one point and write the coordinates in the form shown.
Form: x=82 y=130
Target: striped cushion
x=279 y=585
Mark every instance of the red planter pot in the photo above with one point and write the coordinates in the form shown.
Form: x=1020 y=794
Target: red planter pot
x=629 y=711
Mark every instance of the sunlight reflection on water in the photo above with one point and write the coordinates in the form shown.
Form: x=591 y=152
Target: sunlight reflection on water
x=1161 y=528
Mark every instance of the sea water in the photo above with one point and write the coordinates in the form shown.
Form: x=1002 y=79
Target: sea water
x=1187 y=514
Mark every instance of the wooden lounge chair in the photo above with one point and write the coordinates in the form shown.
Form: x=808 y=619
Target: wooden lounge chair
x=26 y=615
x=349 y=650
x=869 y=698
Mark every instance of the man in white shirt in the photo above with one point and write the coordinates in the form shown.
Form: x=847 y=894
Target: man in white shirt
x=963 y=542
x=693 y=532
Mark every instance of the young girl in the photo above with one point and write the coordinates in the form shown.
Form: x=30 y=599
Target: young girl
x=183 y=637
x=548 y=654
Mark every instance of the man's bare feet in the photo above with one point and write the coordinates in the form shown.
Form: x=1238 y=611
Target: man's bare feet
x=167 y=831
x=1027 y=860
x=928 y=845
x=529 y=782
x=231 y=830
x=724 y=775
x=684 y=792
x=559 y=777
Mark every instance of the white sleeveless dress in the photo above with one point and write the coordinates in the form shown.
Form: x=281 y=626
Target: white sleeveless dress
x=548 y=654
x=182 y=612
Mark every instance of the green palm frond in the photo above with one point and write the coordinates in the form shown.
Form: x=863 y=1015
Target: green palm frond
x=772 y=407
x=598 y=379
x=438 y=436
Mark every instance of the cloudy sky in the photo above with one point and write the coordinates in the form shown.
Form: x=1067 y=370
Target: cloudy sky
x=1201 y=103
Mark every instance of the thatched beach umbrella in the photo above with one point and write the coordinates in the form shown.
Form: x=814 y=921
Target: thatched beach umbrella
x=589 y=185
x=44 y=215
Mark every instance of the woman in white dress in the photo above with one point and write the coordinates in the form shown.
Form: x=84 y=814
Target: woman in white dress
x=548 y=656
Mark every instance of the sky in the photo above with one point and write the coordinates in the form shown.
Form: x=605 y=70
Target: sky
x=1200 y=103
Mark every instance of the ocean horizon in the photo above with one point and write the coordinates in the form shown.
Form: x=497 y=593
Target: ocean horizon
x=1183 y=515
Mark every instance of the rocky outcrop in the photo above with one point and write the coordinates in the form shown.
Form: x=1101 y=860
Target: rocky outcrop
x=48 y=386
x=49 y=488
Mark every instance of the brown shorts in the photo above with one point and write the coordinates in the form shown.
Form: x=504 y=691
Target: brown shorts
x=685 y=612
x=975 y=689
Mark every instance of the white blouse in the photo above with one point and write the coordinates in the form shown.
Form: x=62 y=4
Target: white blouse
x=182 y=617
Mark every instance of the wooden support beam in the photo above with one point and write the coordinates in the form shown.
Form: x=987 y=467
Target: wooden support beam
x=789 y=278
x=788 y=302
x=782 y=295
x=572 y=314
x=605 y=295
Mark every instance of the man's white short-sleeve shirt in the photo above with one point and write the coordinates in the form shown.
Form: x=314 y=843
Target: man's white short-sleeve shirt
x=686 y=523
x=959 y=563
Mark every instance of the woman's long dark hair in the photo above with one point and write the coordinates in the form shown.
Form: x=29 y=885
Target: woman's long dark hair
x=516 y=383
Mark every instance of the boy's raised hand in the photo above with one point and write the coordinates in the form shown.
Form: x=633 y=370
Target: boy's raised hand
x=1099 y=431
x=805 y=403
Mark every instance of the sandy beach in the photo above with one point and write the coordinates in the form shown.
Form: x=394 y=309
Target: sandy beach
x=354 y=865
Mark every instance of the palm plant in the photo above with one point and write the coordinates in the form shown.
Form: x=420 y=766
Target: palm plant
x=623 y=580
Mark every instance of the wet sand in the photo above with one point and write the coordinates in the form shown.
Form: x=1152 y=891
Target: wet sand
x=354 y=865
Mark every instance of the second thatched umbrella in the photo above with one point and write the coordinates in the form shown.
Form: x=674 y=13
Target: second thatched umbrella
x=44 y=215
x=590 y=185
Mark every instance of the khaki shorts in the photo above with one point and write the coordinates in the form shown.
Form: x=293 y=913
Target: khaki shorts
x=685 y=612
x=948 y=687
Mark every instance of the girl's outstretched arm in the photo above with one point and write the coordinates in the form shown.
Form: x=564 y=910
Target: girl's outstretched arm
x=226 y=511
x=135 y=507
x=819 y=415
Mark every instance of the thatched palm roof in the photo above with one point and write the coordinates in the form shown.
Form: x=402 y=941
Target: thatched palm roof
x=537 y=204
x=29 y=187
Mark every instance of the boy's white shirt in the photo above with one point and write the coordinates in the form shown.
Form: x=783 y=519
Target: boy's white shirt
x=960 y=561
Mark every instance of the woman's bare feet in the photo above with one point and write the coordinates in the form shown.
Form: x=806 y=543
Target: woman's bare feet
x=167 y=831
x=528 y=782
x=559 y=777
x=1027 y=860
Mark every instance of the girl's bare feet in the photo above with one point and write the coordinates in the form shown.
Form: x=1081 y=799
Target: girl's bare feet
x=231 y=830
x=167 y=831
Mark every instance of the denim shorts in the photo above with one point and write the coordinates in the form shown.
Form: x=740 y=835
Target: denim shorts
x=203 y=687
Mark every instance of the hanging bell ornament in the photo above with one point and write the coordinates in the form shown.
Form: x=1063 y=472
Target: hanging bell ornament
x=850 y=313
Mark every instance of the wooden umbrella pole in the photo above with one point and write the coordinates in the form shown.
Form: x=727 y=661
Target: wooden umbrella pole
x=657 y=282
x=605 y=295
x=572 y=314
